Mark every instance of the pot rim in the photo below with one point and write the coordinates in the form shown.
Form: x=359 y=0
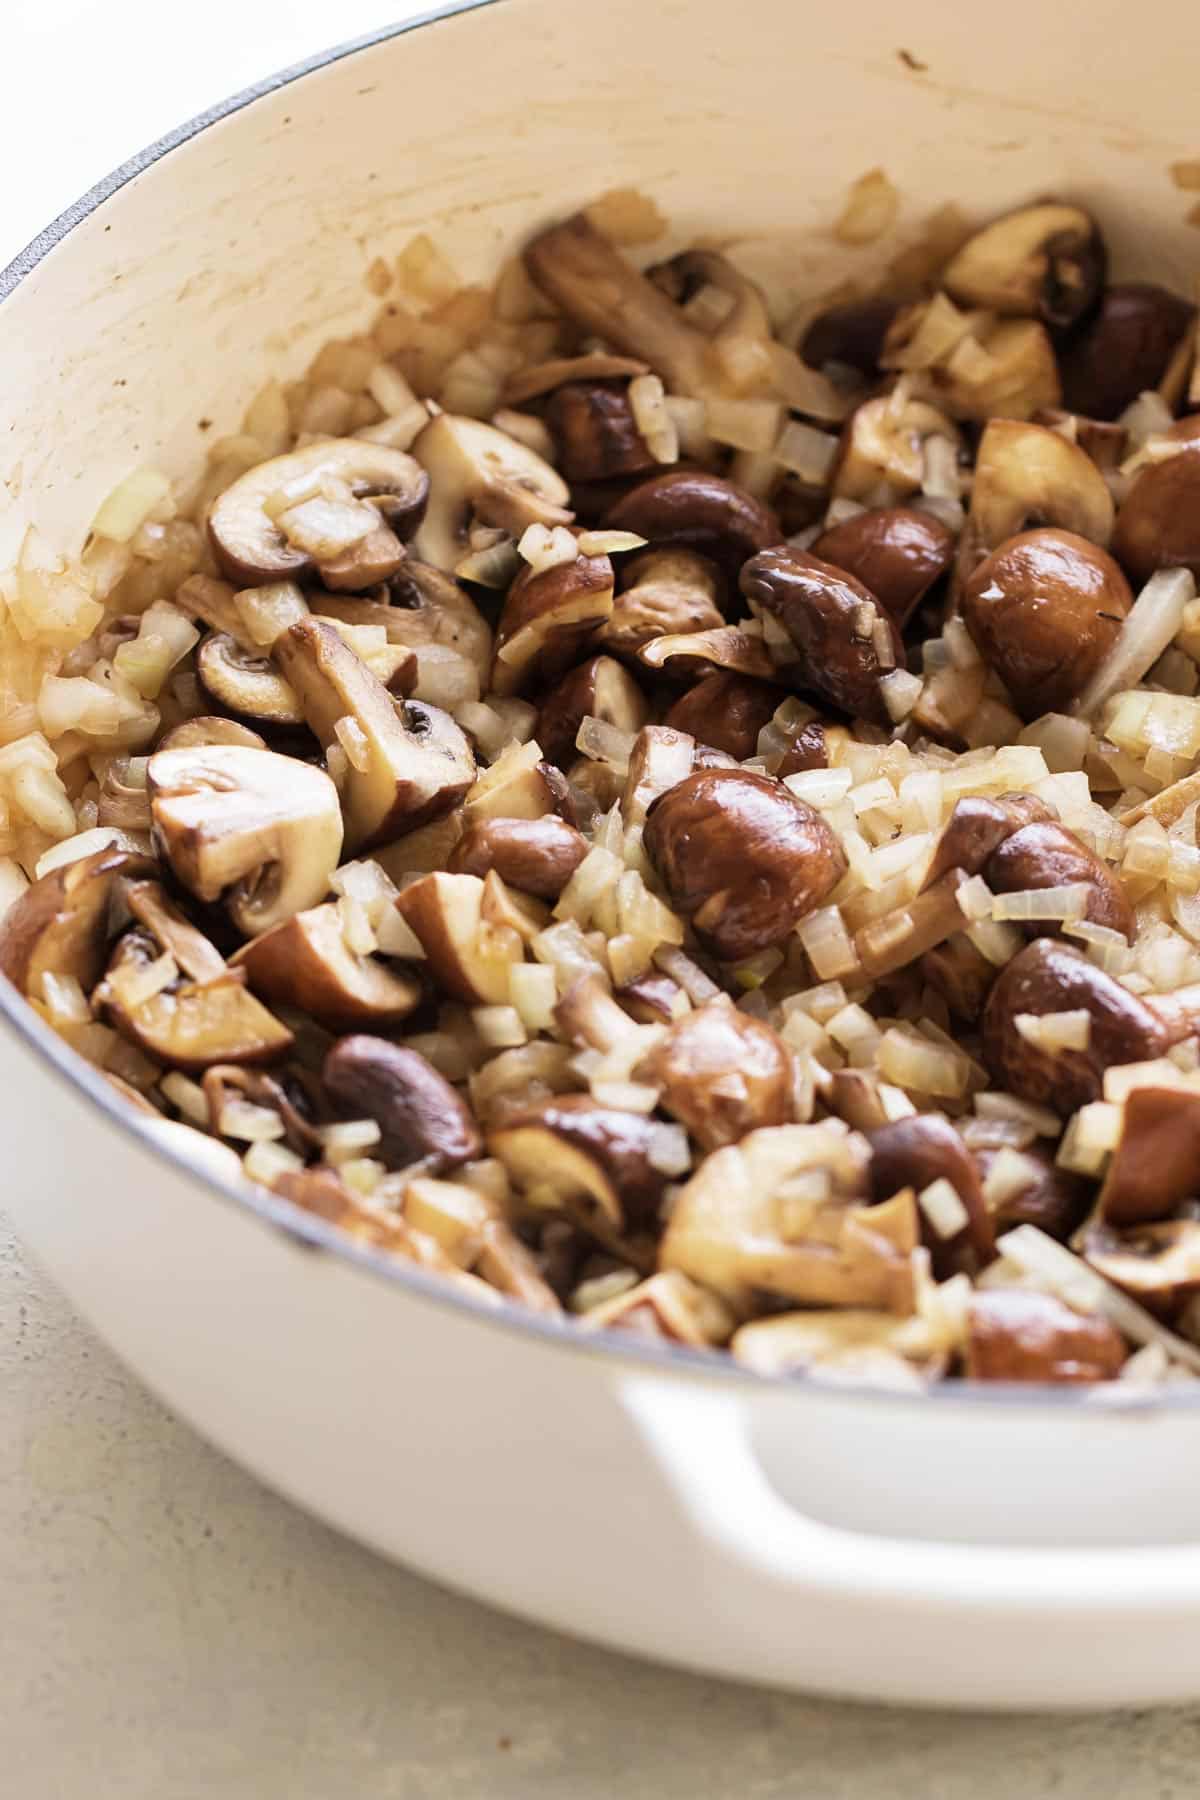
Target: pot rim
x=19 y=1021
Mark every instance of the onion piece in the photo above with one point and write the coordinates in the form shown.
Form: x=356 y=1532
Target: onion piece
x=1147 y=631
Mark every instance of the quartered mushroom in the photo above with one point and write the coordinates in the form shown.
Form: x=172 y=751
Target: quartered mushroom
x=662 y=593
x=1028 y=476
x=699 y=511
x=246 y=685
x=896 y=552
x=837 y=639
x=248 y=523
x=722 y=1074
x=407 y=762
x=741 y=857
x=62 y=923
x=287 y=1092
x=306 y=963
x=1048 y=856
x=600 y=688
x=538 y=856
x=259 y=832
x=474 y=1232
x=728 y=711
x=1155 y=1167
x=1124 y=348
x=1158 y=1265
x=481 y=475
x=572 y=1152
x=883 y=448
x=1158 y=526
x=1045 y=261
x=597 y=435
x=918 y=1152
x=690 y=656
x=421 y=1118
x=1017 y=1335
x=1045 y=609
x=424 y=607
x=548 y=616
x=978 y=826
x=469 y=956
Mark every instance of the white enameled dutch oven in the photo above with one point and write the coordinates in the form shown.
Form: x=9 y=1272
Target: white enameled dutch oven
x=964 y=1549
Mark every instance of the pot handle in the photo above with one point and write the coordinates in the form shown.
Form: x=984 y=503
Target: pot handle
x=701 y=1440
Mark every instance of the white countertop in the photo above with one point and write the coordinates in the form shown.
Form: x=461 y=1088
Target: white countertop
x=171 y=1631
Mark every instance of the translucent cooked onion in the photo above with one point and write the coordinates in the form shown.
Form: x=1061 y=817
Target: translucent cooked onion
x=1147 y=631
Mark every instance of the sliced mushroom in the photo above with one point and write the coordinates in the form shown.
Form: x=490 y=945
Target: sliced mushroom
x=1158 y=1265
x=248 y=686
x=852 y=1344
x=976 y=827
x=1158 y=526
x=413 y=764
x=258 y=831
x=425 y=607
x=1045 y=610
x=883 y=447
x=1106 y=443
x=252 y=548
x=212 y=602
x=195 y=955
x=667 y=1307
x=560 y=371
x=704 y=512
x=1050 y=1197
x=691 y=655
x=288 y=1093
x=1045 y=261
x=571 y=1150
x=1048 y=977
x=482 y=475
x=306 y=963
x=471 y=1230
x=421 y=1118
x=539 y=856
x=914 y=1153
x=1156 y=1164
x=896 y=553
x=62 y=923
x=1027 y=475
x=742 y=857
x=722 y=1075
x=547 y=618
x=596 y=432
x=653 y=999
x=209 y=729
x=598 y=689
x=1124 y=349
x=773 y=1214
x=1015 y=1335
x=189 y=1024
x=663 y=592
x=844 y=640
x=468 y=956
x=1006 y=368
x=727 y=711
x=1049 y=856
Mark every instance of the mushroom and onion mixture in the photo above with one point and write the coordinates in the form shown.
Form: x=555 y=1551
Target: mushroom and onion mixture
x=662 y=812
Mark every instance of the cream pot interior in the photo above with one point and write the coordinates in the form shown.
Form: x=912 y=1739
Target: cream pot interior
x=960 y=1550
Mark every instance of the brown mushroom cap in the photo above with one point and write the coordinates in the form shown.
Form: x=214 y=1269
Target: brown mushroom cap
x=258 y=831
x=1045 y=261
x=421 y=1117
x=742 y=857
x=248 y=686
x=913 y=1153
x=596 y=432
x=722 y=1074
x=1048 y=977
x=600 y=688
x=663 y=593
x=252 y=549
x=1014 y=1335
x=538 y=856
x=1049 y=856
x=586 y=1152
x=1044 y=610
x=209 y=729
x=834 y=623
x=481 y=474
x=851 y=333
x=61 y=924
x=1158 y=526
x=896 y=553
x=704 y=512
x=419 y=763
x=978 y=826
x=469 y=957
x=727 y=711
x=1054 y=1199
x=1124 y=349
x=547 y=618
x=306 y=963
x=1156 y=1165
x=1028 y=476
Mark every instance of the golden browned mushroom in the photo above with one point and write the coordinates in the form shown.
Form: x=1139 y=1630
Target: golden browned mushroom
x=727 y=711
x=917 y=1152
x=1014 y=1335
x=469 y=957
x=742 y=857
x=1124 y=349
x=1045 y=978
x=306 y=963
x=1045 y=261
x=248 y=686
x=883 y=448
x=598 y=689
x=668 y=1308
x=421 y=1118
x=407 y=763
x=481 y=475
x=254 y=524
x=61 y=924
x=209 y=729
x=844 y=641
x=722 y=1074
x=1042 y=856
x=596 y=432
x=778 y=1214
x=212 y=602
x=548 y=616
x=425 y=607
x=260 y=832
x=896 y=553
x=574 y=1152
x=961 y=974
x=1028 y=476
x=663 y=593
x=1104 y=441
x=539 y=856
x=173 y=931
x=690 y=655
x=472 y=1229
x=700 y=511
x=1156 y=1164
x=186 y=1024
x=1002 y=368
x=1159 y=523
x=1044 y=610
